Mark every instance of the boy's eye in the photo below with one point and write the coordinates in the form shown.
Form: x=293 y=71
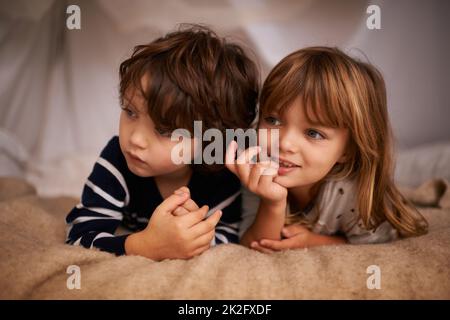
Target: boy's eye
x=130 y=113
x=272 y=121
x=163 y=132
x=314 y=134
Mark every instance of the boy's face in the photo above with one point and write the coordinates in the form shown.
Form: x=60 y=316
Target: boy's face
x=307 y=152
x=147 y=151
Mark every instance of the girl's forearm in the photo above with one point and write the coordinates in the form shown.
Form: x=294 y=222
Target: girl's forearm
x=268 y=223
x=315 y=239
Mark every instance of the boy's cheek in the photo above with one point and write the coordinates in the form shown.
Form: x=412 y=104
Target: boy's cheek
x=196 y=147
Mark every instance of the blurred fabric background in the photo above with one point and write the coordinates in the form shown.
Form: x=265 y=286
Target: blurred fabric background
x=59 y=87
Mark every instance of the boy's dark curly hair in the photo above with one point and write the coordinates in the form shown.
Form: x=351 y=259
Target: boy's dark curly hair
x=193 y=75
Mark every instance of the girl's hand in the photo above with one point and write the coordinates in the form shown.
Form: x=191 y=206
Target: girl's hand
x=297 y=237
x=258 y=177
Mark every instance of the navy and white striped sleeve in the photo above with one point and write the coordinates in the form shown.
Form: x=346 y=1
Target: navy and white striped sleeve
x=93 y=221
x=227 y=230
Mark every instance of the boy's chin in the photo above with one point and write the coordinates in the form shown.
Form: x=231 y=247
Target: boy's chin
x=147 y=172
x=140 y=172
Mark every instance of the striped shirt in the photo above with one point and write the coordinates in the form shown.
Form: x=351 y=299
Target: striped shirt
x=114 y=196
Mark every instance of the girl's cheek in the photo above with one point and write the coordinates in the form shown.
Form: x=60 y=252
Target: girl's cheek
x=266 y=150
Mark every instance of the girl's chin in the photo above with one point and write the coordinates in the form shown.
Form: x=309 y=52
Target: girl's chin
x=286 y=182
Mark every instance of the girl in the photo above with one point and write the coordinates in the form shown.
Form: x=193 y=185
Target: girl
x=332 y=181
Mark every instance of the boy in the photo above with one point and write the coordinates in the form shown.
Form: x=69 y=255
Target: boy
x=188 y=75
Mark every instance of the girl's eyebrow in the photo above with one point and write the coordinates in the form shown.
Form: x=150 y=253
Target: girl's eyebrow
x=325 y=129
x=319 y=125
x=314 y=122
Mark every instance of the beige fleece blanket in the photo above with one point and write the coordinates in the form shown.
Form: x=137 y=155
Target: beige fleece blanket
x=34 y=261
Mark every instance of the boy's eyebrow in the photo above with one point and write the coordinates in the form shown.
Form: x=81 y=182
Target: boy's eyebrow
x=127 y=103
x=271 y=114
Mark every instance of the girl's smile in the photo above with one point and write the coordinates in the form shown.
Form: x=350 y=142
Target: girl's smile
x=285 y=170
x=285 y=166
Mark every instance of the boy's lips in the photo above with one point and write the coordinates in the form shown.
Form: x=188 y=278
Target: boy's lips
x=135 y=158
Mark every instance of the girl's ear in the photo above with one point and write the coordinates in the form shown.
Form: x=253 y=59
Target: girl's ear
x=348 y=151
x=343 y=158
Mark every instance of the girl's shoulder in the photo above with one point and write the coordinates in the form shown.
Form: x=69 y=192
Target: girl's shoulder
x=338 y=195
x=335 y=206
x=339 y=213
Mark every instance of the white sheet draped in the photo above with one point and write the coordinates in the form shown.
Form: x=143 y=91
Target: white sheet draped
x=58 y=87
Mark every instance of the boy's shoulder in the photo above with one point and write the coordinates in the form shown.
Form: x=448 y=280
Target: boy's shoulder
x=112 y=154
x=223 y=178
x=214 y=187
x=112 y=148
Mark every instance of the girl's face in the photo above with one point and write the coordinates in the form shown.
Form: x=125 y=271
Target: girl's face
x=307 y=152
x=146 y=150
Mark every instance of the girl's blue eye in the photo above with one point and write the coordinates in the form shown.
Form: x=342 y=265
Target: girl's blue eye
x=314 y=134
x=272 y=121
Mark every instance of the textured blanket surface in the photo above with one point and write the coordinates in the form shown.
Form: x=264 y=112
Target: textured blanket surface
x=34 y=261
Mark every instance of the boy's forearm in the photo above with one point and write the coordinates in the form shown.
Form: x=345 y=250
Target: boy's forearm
x=268 y=223
x=134 y=245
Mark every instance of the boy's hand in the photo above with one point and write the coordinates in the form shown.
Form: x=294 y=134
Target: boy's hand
x=174 y=237
x=258 y=177
x=187 y=206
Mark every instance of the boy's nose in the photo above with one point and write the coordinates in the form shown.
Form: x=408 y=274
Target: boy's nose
x=138 y=139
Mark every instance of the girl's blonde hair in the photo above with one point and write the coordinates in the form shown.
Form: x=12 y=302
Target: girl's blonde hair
x=339 y=91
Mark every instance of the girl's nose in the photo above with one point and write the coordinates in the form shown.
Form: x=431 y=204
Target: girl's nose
x=289 y=141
